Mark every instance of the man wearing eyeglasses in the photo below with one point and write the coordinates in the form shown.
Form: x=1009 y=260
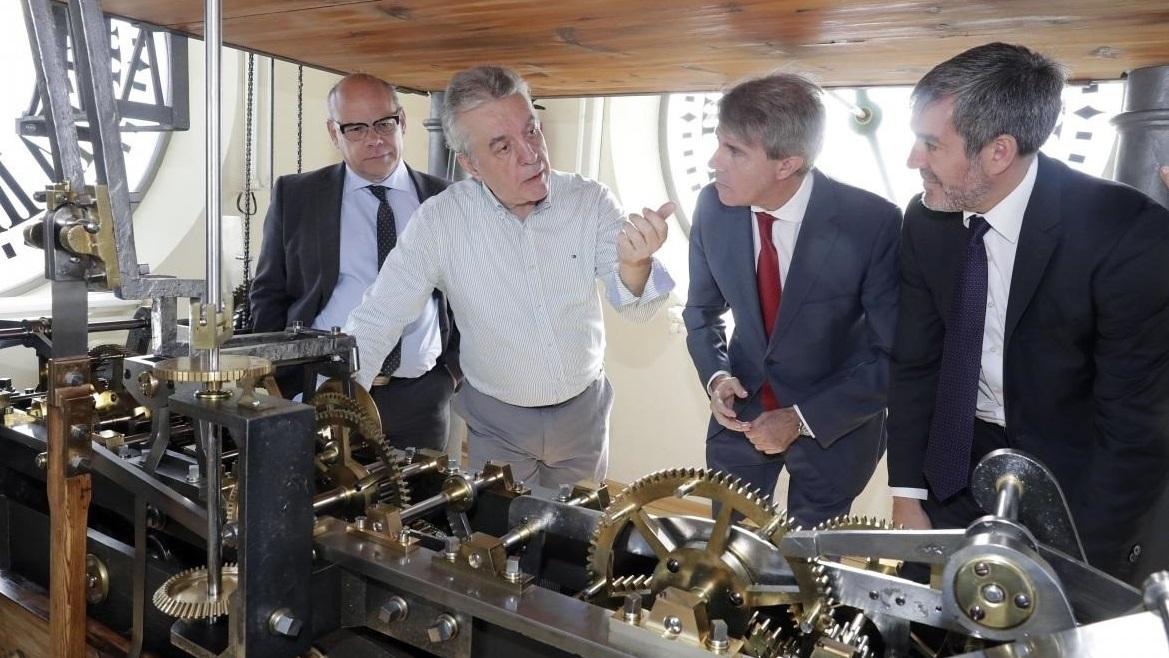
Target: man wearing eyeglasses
x=325 y=237
x=519 y=248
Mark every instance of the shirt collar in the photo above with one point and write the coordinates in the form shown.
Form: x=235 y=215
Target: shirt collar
x=1006 y=217
x=399 y=179
x=792 y=211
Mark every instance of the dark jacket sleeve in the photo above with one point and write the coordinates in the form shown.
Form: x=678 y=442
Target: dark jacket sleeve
x=269 y=297
x=706 y=336
x=917 y=353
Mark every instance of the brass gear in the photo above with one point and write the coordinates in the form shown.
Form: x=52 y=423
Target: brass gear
x=184 y=595
x=764 y=637
x=725 y=580
x=360 y=395
x=814 y=614
x=339 y=420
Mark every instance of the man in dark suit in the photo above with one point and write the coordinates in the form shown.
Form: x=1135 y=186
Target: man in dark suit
x=325 y=237
x=808 y=268
x=1034 y=311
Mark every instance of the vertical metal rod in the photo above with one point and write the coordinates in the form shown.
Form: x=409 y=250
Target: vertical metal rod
x=1006 y=503
x=212 y=43
x=271 y=141
x=214 y=467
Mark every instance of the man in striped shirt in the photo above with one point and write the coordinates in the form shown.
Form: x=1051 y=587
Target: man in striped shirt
x=518 y=249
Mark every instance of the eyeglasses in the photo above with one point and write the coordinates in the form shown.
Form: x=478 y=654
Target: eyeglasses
x=356 y=132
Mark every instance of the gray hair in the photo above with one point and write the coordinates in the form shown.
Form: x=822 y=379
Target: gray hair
x=471 y=88
x=363 y=78
x=998 y=89
x=782 y=112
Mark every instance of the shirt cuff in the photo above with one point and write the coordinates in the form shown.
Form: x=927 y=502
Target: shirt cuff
x=804 y=421
x=910 y=492
x=658 y=284
x=709 y=391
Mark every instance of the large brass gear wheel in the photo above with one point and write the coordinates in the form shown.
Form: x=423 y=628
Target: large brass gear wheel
x=184 y=595
x=342 y=424
x=710 y=565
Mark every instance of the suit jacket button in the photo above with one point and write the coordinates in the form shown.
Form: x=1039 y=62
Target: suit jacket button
x=1135 y=553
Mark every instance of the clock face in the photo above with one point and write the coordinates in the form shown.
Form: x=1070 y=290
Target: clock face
x=25 y=160
x=688 y=122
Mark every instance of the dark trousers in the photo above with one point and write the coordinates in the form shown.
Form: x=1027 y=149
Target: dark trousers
x=811 y=496
x=961 y=509
x=416 y=411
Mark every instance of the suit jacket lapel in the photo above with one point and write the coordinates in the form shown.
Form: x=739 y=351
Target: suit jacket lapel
x=327 y=210
x=419 y=184
x=1038 y=238
x=740 y=253
x=818 y=232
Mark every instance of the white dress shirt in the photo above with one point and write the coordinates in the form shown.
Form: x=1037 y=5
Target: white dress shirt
x=422 y=338
x=1001 y=241
x=523 y=292
x=784 y=233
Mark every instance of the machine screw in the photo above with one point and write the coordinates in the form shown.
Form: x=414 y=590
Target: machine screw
x=445 y=627
x=378 y=526
x=874 y=594
x=899 y=599
x=992 y=593
x=193 y=473
x=719 y=641
x=518 y=486
x=631 y=609
x=672 y=565
x=982 y=569
x=511 y=571
x=452 y=548
x=404 y=536
x=283 y=623
x=475 y=560
x=1022 y=601
x=394 y=609
x=673 y=625
x=977 y=613
x=736 y=598
x=41 y=460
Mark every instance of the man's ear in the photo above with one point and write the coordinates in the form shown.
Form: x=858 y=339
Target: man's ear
x=334 y=134
x=402 y=120
x=788 y=167
x=999 y=154
x=468 y=166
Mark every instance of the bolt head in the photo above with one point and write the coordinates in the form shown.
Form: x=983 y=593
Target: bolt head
x=672 y=565
x=1022 y=601
x=673 y=625
x=977 y=613
x=899 y=599
x=993 y=593
x=982 y=569
x=736 y=598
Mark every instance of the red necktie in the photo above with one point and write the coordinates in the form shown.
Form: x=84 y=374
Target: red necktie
x=770 y=290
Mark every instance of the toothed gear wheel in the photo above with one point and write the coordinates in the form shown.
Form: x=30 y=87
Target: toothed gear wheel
x=342 y=419
x=184 y=595
x=764 y=637
x=815 y=613
x=102 y=358
x=703 y=563
x=853 y=635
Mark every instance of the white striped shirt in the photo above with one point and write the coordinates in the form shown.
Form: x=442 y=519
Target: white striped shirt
x=523 y=293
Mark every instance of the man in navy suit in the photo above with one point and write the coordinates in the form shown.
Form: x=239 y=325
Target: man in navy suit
x=808 y=268
x=325 y=236
x=1034 y=312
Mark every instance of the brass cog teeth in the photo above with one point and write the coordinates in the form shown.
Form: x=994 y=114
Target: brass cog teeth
x=180 y=596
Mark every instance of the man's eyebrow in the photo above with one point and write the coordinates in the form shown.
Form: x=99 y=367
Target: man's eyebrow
x=496 y=140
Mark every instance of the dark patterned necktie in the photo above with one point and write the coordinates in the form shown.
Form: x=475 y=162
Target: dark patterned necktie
x=770 y=291
x=387 y=238
x=947 y=456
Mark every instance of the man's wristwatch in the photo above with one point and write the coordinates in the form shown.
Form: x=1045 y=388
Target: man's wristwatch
x=803 y=430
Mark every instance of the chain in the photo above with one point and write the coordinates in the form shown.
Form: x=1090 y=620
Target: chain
x=246 y=201
x=299 y=119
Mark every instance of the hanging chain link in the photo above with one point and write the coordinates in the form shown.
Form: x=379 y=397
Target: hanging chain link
x=299 y=119
x=245 y=202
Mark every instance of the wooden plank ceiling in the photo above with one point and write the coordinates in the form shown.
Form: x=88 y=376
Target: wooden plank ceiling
x=587 y=47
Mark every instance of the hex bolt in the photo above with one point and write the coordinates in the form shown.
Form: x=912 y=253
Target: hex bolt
x=193 y=473
x=977 y=613
x=511 y=571
x=1022 y=601
x=283 y=623
x=982 y=569
x=444 y=628
x=404 y=536
x=719 y=640
x=631 y=609
x=361 y=522
x=672 y=565
x=992 y=593
x=394 y=609
x=565 y=493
